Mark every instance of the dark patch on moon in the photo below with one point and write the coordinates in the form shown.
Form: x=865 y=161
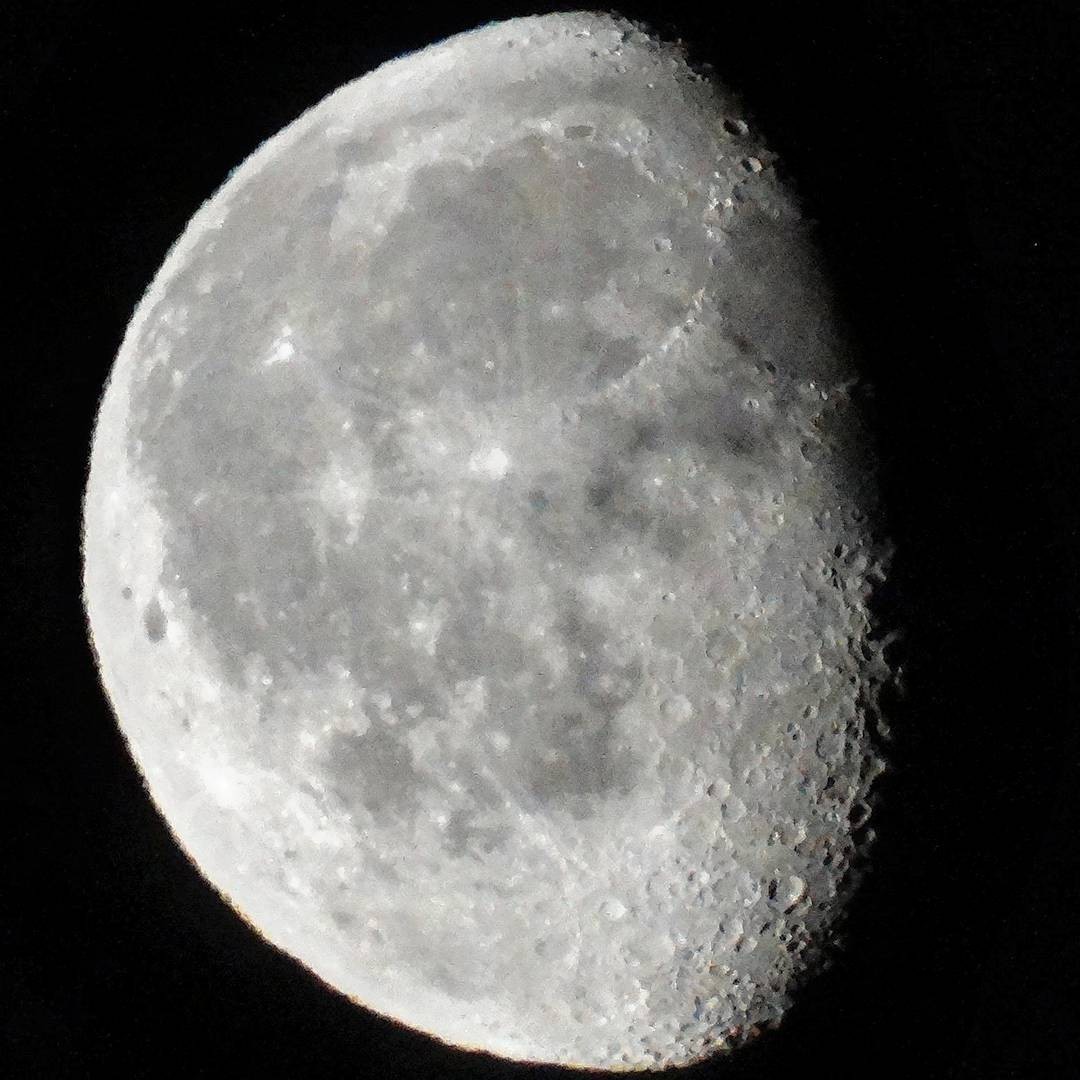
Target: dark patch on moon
x=608 y=496
x=581 y=759
x=581 y=762
x=674 y=537
x=599 y=493
x=647 y=435
x=463 y=835
x=154 y=622
x=607 y=684
x=374 y=770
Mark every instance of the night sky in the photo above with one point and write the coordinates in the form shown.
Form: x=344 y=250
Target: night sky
x=934 y=143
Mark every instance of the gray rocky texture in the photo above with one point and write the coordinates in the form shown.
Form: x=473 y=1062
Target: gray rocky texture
x=478 y=551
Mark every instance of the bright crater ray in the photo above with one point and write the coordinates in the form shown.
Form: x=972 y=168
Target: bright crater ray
x=478 y=548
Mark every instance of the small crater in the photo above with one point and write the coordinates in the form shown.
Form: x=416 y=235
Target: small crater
x=154 y=621
x=677 y=709
x=613 y=908
x=126 y=593
x=735 y=126
x=538 y=500
x=578 y=131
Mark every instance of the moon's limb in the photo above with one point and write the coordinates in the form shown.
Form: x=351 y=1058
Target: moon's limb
x=476 y=551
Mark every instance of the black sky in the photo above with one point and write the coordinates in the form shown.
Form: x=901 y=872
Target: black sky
x=935 y=144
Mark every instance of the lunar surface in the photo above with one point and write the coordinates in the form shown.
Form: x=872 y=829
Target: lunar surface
x=478 y=543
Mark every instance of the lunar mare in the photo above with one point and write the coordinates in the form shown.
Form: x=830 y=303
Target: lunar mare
x=478 y=544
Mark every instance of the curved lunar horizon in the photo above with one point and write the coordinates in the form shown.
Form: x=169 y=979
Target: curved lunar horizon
x=478 y=544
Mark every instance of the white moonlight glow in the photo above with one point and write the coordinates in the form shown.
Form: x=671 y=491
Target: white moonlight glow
x=477 y=558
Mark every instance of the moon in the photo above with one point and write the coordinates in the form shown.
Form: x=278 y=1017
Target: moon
x=478 y=545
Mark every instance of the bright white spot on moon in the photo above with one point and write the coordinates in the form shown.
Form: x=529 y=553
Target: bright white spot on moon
x=492 y=462
x=282 y=349
x=478 y=548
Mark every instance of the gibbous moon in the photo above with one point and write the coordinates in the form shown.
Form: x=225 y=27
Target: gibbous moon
x=478 y=543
